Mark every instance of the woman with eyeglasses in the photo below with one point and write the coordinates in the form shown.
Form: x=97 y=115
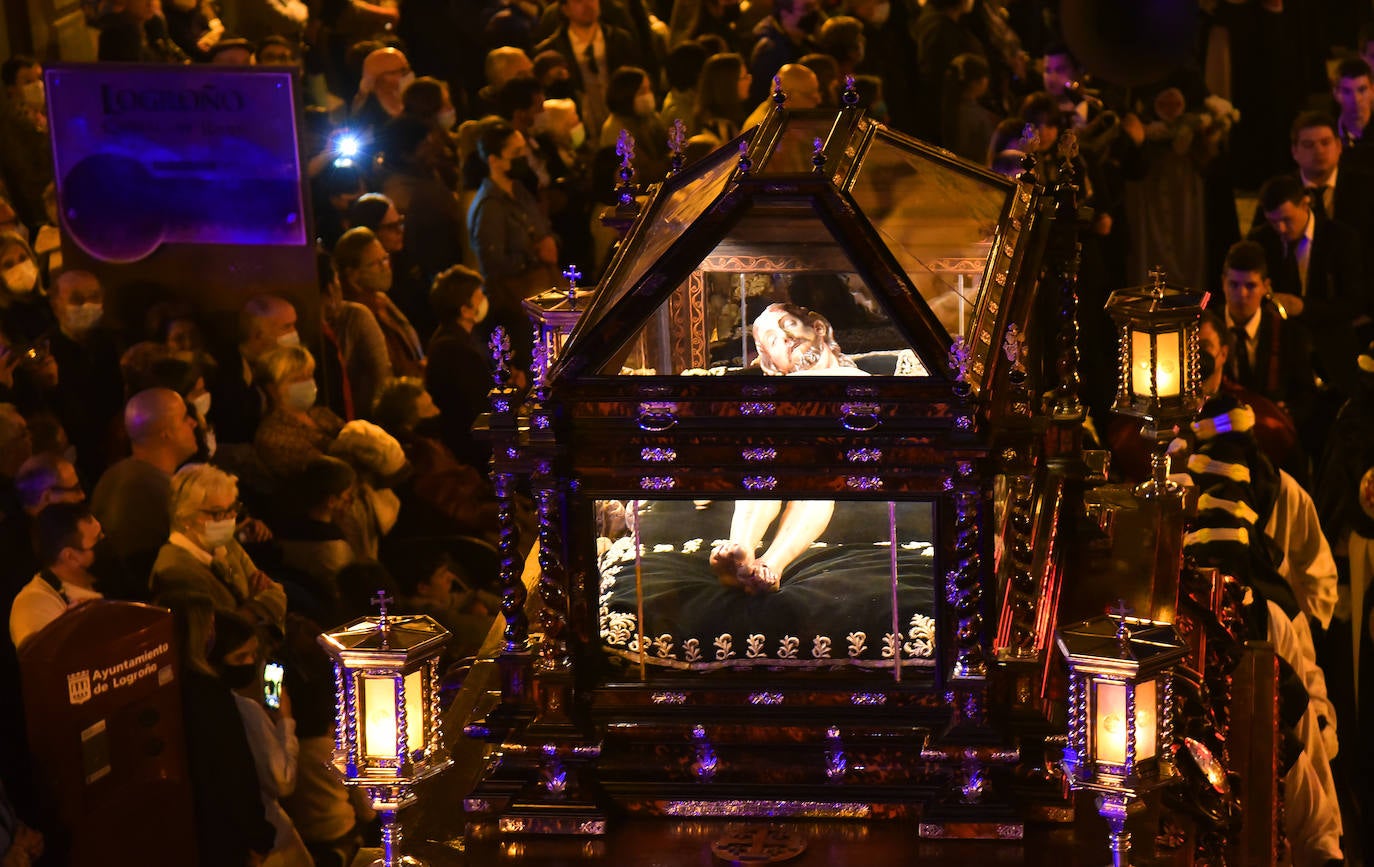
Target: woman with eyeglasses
x=363 y=266
x=202 y=554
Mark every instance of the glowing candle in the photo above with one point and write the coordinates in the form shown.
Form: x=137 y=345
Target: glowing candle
x=1109 y=722
x=379 y=715
x=1166 y=372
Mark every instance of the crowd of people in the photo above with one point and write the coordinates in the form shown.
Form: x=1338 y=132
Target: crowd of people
x=459 y=155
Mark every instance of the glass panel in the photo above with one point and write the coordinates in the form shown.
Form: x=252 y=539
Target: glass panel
x=1109 y=721
x=937 y=221
x=1168 y=357
x=778 y=296
x=379 y=715
x=792 y=153
x=795 y=584
x=683 y=200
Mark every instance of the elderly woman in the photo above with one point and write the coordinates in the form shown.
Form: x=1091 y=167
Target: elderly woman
x=295 y=429
x=202 y=554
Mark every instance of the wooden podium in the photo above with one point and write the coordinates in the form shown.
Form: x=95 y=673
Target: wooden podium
x=103 y=700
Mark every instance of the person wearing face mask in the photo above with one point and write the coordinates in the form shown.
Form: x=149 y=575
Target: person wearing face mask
x=381 y=465
x=410 y=281
x=459 y=372
x=442 y=497
x=25 y=149
x=133 y=497
x=520 y=102
x=90 y=398
x=364 y=269
x=517 y=252
x=265 y=322
x=232 y=828
x=427 y=100
x=238 y=656
x=66 y=536
x=203 y=555
x=296 y=429
x=310 y=535
x=784 y=37
x=1274 y=429
x=24 y=313
x=634 y=109
x=562 y=139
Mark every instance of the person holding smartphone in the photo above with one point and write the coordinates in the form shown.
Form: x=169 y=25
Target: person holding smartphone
x=240 y=658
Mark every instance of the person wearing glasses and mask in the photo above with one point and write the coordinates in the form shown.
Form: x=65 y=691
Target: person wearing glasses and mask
x=365 y=276
x=202 y=554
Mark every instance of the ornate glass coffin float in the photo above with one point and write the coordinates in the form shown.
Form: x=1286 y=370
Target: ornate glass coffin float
x=764 y=485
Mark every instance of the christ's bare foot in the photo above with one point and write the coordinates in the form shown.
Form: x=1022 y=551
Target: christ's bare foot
x=733 y=564
x=760 y=579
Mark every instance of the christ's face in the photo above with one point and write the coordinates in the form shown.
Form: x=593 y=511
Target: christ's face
x=789 y=343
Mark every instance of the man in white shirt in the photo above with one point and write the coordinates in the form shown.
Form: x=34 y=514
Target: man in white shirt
x=66 y=535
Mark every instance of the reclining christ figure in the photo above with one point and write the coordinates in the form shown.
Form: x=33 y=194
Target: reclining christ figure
x=791 y=341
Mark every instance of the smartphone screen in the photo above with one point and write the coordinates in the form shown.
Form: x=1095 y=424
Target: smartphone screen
x=271 y=684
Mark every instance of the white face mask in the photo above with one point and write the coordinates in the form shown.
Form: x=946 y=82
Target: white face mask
x=218 y=533
x=202 y=404
x=211 y=444
x=386 y=506
x=579 y=136
x=48 y=238
x=447 y=119
x=21 y=279
x=82 y=317
x=644 y=104
x=35 y=94
x=482 y=309
x=406 y=81
x=300 y=396
x=290 y=338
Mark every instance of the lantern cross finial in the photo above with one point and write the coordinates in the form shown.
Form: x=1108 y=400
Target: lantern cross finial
x=1157 y=279
x=1122 y=612
x=381 y=600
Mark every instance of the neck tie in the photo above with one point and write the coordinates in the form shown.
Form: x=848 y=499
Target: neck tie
x=590 y=55
x=1318 y=196
x=1289 y=279
x=1242 y=355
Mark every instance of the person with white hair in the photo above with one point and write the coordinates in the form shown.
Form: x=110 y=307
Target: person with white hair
x=380 y=462
x=202 y=554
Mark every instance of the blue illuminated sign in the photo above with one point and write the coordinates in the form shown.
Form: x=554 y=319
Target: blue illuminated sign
x=146 y=156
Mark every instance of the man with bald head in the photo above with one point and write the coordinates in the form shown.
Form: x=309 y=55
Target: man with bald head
x=803 y=91
x=265 y=323
x=386 y=74
x=133 y=498
x=87 y=355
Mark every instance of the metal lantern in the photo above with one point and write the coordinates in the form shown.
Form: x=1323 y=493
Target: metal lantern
x=1120 y=712
x=388 y=735
x=555 y=313
x=1159 y=377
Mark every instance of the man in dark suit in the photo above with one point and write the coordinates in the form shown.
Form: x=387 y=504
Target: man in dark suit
x=1337 y=189
x=593 y=50
x=1272 y=354
x=1354 y=94
x=1318 y=275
